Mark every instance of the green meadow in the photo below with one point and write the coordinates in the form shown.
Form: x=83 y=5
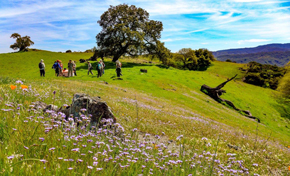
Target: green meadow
x=165 y=101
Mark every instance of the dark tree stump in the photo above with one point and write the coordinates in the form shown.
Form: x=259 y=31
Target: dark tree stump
x=143 y=70
x=216 y=92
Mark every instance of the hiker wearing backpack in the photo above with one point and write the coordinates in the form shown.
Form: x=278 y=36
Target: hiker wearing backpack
x=118 y=68
x=100 y=68
x=41 y=66
x=56 y=67
x=90 y=68
x=70 y=68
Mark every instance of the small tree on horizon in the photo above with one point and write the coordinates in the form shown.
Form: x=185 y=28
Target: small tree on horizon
x=22 y=43
x=127 y=30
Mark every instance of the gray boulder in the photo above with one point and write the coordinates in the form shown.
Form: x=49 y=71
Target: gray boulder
x=84 y=104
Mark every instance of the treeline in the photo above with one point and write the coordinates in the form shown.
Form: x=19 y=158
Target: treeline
x=189 y=59
x=264 y=75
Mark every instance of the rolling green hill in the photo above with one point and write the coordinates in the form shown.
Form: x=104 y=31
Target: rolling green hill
x=170 y=101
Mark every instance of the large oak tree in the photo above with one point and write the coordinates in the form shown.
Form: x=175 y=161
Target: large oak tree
x=127 y=30
x=21 y=42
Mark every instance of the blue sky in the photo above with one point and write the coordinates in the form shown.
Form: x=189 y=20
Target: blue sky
x=59 y=25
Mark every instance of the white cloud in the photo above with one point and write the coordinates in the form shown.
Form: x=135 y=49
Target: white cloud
x=253 y=41
x=247 y=0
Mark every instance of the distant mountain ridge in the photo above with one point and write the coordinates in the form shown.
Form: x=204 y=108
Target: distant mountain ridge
x=278 y=54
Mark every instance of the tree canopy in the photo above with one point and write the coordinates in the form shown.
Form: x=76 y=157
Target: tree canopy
x=127 y=30
x=22 y=43
x=194 y=59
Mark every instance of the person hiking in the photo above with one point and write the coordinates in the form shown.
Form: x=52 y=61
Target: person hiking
x=70 y=68
x=103 y=72
x=60 y=68
x=41 y=66
x=90 y=68
x=75 y=67
x=118 y=68
x=100 y=68
x=56 y=67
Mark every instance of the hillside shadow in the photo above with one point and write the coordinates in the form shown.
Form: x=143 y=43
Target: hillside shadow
x=112 y=65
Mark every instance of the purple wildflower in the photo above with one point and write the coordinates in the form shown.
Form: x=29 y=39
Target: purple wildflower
x=10 y=157
x=43 y=160
x=75 y=149
x=79 y=161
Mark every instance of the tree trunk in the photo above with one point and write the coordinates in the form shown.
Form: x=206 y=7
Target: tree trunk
x=115 y=58
x=216 y=92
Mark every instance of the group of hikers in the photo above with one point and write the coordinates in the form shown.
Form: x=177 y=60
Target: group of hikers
x=68 y=72
x=71 y=71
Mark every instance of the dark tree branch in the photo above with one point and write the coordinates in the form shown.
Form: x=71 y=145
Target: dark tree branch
x=216 y=92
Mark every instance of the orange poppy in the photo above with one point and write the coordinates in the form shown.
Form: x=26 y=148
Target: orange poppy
x=13 y=87
x=289 y=168
x=24 y=87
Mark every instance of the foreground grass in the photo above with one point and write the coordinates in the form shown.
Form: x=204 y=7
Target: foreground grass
x=166 y=100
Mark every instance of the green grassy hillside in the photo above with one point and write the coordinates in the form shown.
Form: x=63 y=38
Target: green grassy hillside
x=170 y=101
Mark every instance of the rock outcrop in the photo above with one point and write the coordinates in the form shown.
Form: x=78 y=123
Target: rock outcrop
x=83 y=104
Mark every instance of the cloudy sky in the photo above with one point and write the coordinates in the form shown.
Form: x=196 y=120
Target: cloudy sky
x=59 y=25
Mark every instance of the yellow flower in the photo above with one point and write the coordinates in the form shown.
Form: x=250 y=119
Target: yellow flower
x=289 y=168
x=13 y=87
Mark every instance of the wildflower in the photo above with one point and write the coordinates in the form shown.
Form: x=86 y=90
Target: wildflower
x=98 y=169
x=11 y=157
x=43 y=160
x=26 y=147
x=54 y=92
x=179 y=137
x=79 y=161
x=24 y=87
x=90 y=167
x=51 y=149
x=42 y=139
x=255 y=164
x=289 y=168
x=83 y=109
x=13 y=87
x=19 y=82
x=14 y=129
x=70 y=168
x=95 y=163
x=204 y=138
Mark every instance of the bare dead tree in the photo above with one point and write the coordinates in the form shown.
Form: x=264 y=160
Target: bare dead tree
x=216 y=92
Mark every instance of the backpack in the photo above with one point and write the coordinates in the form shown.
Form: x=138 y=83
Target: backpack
x=40 y=65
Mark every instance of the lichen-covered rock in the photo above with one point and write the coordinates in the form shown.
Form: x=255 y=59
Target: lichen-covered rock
x=50 y=107
x=84 y=104
x=39 y=105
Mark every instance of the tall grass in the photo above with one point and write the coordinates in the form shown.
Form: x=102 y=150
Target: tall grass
x=37 y=143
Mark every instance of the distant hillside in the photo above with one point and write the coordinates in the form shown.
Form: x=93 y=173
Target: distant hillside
x=278 y=54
